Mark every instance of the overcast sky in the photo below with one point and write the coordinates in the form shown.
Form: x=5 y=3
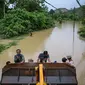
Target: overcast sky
x=64 y=3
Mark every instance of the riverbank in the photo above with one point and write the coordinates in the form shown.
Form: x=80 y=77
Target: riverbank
x=7 y=43
x=6 y=46
x=25 y=22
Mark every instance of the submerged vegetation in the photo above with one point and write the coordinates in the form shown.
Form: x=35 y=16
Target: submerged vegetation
x=6 y=46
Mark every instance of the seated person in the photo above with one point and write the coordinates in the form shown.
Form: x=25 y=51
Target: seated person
x=30 y=61
x=40 y=58
x=64 y=60
x=70 y=61
x=19 y=58
x=8 y=62
x=43 y=57
x=55 y=62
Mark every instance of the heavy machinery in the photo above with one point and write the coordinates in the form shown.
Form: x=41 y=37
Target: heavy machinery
x=39 y=74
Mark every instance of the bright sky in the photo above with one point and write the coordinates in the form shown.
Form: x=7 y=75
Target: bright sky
x=64 y=3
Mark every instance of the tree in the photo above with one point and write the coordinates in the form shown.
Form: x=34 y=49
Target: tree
x=2 y=8
x=19 y=21
x=15 y=23
x=82 y=29
x=29 y=5
x=52 y=11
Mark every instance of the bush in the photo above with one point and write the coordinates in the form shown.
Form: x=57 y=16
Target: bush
x=15 y=23
x=19 y=21
x=11 y=44
x=40 y=20
x=83 y=21
x=82 y=32
x=2 y=47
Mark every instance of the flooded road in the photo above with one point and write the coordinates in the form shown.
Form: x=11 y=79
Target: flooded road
x=57 y=41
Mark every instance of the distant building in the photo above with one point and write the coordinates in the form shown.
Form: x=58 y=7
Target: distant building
x=61 y=10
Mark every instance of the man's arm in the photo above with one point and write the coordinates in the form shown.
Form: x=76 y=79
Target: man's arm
x=15 y=58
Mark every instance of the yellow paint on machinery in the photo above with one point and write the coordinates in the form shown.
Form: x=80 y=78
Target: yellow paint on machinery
x=41 y=75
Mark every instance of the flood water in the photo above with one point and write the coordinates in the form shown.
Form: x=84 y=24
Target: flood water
x=57 y=41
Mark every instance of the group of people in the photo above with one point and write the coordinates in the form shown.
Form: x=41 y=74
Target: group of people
x=42 y=58
x=68 y=60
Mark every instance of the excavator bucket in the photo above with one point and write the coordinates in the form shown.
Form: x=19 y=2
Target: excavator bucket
x=52 y=73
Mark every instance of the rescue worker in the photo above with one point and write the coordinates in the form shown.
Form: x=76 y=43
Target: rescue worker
x=19 y=58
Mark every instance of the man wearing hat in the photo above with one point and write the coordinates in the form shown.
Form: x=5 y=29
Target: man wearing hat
x=70 y=61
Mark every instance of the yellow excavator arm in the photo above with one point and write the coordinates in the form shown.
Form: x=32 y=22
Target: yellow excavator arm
x=41 y=76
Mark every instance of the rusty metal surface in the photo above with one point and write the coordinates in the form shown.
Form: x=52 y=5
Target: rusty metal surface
x=58 y=73
x=32 y=65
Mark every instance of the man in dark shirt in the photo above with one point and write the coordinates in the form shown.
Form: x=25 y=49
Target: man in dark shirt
x=43 y=57
x=19 y=58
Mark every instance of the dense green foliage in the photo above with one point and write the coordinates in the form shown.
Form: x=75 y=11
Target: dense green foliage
x=2 y=47
x=26 y=16
x=64 y=14
x=82 y=29
x=30 y=5
x=32 y=15
x=19 y=21
x=1 y=9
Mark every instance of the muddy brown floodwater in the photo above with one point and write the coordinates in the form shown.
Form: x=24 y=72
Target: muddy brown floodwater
x=57 y=41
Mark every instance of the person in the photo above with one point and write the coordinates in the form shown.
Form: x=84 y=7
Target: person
x=43 y=57
x=70 y=61
x=64 y=60
x=46 y=56
x=30 y=61
x=19 y=58
x=31 y=34
x=8 y=62
x=55 y=62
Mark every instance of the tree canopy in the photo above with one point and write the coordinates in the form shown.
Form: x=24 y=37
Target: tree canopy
x=29 y=5
x=19 y=21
